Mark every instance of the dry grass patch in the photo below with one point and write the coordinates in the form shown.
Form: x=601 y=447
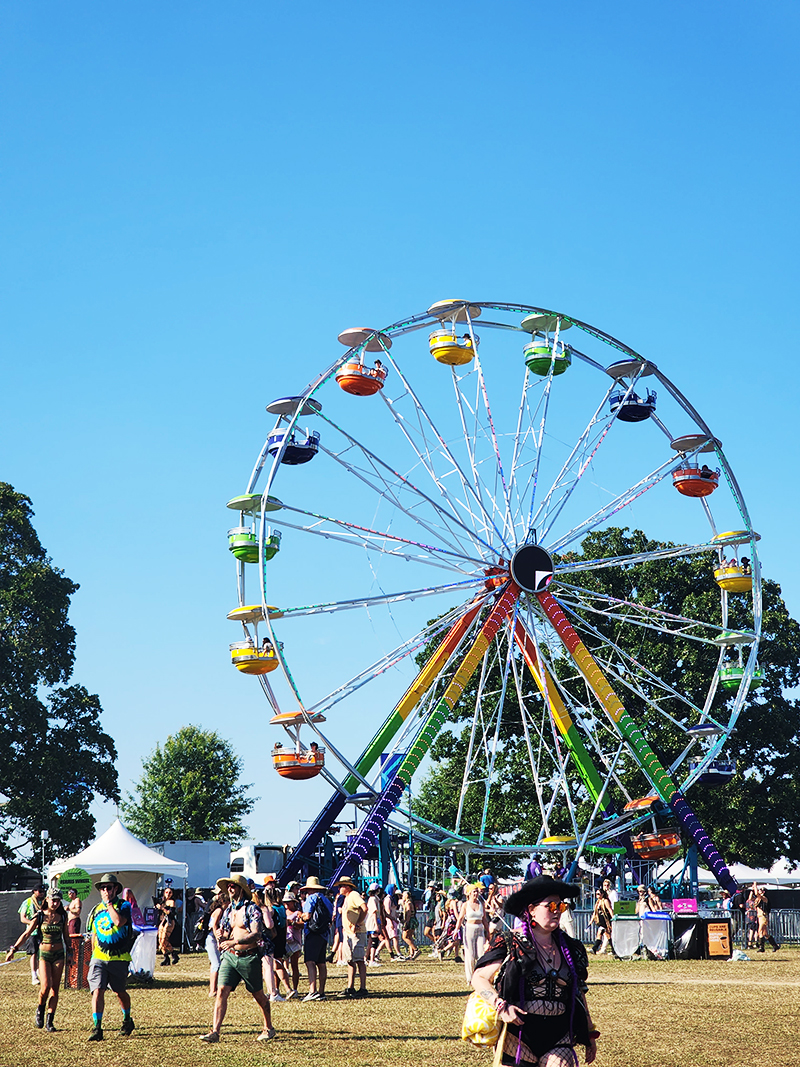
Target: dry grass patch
x=675 y=1014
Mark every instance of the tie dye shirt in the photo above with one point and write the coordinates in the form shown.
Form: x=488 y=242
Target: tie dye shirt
x=110 y=942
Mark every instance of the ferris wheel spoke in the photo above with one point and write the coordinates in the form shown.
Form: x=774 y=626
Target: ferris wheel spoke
x=492 y=432
x=584 y=452
x=373 y=601
x=628 y=611
x=527 y=722
x=399 y=481
x=621 y=501
x=472 y=434
x=632 y=558
x=492 y=755
x=376 y=542
x=470 y=492
x=389 y=660
x=607 y=644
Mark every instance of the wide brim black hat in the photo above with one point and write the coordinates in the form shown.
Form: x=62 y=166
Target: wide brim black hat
x=537 y=889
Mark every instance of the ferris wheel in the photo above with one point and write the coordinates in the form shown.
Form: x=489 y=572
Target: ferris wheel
x=462 y=463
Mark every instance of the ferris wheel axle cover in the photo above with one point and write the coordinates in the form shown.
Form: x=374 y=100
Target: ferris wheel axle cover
x=532 y=568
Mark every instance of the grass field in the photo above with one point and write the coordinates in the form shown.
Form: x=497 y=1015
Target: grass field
x=675 y=1014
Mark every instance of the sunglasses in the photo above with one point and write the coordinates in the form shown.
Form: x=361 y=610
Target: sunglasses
x=555 y=907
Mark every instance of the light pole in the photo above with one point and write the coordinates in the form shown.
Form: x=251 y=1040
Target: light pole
x=45 y=837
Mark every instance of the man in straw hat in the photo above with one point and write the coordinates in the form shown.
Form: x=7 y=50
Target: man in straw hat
x=354 y=914
x=241 y=930
x=317 y=915
x=110 y=926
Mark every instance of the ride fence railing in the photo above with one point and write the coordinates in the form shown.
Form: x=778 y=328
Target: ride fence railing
x=784 y=925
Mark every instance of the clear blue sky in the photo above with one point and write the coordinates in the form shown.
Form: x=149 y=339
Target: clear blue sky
x=199 y=197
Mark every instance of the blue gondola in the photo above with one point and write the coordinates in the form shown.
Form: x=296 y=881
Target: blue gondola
x=718 y=772
x=298 y=449
x=632 y=408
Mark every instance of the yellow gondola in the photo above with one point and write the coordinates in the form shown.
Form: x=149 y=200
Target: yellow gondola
x=447 y=347
x=251 y=660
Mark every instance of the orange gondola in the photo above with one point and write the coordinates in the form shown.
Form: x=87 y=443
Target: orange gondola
x=359 y=380
x=695 y=481
x=660 y=846
x=298 y=764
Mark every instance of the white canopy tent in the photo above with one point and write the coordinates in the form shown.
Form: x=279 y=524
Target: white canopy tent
x=118 y=852
x=779 y=874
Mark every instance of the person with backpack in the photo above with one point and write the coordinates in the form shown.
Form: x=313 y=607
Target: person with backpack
x=317 y=913
x=241 y=943
x=273 y=900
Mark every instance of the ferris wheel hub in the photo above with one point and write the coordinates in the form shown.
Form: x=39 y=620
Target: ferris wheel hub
x=532 y=568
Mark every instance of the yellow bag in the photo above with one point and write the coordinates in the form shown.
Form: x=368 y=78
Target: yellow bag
x=481 y=1026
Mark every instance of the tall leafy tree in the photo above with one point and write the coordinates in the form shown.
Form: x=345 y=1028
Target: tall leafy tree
x=753 y=816
x=189 y=789
x=54 y=756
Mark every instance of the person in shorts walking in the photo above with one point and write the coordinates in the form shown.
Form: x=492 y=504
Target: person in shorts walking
x=240 y=940
x=110 y=927
x=28 y=910
x=354 y=937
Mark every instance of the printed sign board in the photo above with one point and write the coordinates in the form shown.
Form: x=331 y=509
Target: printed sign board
x=684 y=905
x=78 y=879
x=719 y=939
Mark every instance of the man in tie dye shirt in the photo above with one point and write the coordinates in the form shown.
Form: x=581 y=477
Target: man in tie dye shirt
x=110 y=927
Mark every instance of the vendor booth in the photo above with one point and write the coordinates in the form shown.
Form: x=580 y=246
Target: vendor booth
x=118 y=852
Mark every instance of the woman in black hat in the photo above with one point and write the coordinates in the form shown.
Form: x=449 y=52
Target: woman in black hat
x=536 y=979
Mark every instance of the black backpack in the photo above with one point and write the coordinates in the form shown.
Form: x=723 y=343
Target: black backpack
x=319 y=921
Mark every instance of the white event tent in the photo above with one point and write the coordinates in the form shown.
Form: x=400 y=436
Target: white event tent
x=118 y=852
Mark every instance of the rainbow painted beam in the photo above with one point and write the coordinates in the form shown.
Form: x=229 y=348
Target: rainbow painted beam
x=390 y=797
x=584 y=763
x=656 y=774
x=313 y=837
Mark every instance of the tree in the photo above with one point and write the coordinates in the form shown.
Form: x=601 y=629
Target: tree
x=189 y=790
x=54 y=757
x=752 y=818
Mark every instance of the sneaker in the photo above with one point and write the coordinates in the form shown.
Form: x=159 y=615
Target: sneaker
x=266 y=1035
x=35 y=979
x=276 y=998
x=321 y=996
x=310 y=996
x=127 y=1027
x=96 y=1034
x=348 y=991
x=291 y=994
x=38 y=1021
x=210 y=1039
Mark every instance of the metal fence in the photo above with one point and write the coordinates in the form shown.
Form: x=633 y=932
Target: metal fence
x=784 y=925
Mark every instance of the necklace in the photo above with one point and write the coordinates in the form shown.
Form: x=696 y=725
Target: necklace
x=547 y=954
